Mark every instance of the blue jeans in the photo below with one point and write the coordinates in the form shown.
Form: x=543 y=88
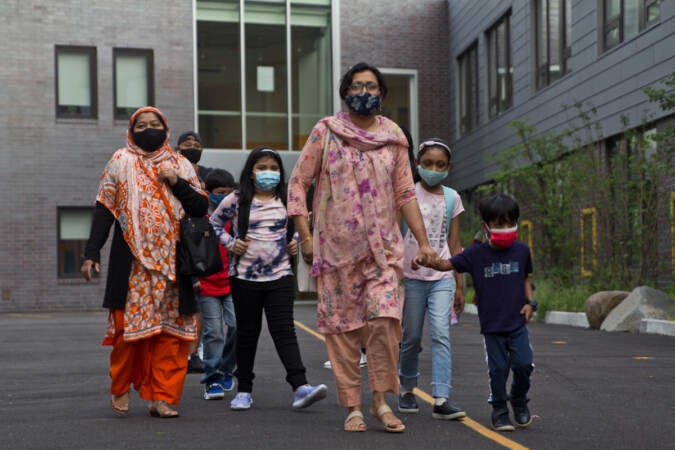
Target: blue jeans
x=509 y=352
x=219 y=349
x=433 y=298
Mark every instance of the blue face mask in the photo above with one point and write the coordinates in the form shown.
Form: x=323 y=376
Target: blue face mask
x=363 y=104
x=267 y=180
x=431 y=177
x=216 y=199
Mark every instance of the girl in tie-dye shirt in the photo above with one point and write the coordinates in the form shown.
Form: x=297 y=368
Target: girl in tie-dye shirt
x=261 y=277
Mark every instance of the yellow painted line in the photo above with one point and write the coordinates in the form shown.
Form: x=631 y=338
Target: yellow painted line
x=304 y=327
x=475 y=426
x=466 y=421
x=558 y=342
x=642 y=358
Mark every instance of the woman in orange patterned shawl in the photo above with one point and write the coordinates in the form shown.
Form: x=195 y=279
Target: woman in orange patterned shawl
x=145 y=190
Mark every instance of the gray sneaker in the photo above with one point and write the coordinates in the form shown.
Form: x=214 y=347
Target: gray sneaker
x=447 y=411
x=407 y=403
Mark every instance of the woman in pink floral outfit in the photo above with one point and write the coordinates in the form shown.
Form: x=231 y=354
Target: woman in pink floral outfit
x=359 y=163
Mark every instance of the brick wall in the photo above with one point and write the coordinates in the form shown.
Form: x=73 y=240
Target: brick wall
x=407 y=34
x=46 y=163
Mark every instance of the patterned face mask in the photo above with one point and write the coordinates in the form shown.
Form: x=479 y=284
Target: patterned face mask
x=363 y=104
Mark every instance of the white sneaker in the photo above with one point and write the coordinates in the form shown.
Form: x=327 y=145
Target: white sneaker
x=327 y=365
x=364 y=360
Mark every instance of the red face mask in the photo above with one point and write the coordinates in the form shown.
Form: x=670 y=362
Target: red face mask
x=503 y=237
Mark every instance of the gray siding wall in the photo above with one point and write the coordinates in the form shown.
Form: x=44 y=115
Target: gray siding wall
x=46 y=163
x=612 y=81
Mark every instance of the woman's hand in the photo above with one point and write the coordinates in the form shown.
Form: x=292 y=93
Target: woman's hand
x=169 y=175
x=458 y=304
x=292 y=247
x=307 y=250
x=86 y=268
x=240 y=246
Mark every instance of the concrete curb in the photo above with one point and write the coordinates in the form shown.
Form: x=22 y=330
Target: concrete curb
x=573 y=319
x=655 y=326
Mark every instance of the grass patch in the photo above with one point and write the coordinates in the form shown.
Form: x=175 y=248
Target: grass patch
x=551 y=296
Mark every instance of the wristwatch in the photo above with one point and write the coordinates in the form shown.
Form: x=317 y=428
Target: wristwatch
x=533 y=304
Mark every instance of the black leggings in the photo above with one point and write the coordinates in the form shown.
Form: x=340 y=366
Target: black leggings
x=276 y=299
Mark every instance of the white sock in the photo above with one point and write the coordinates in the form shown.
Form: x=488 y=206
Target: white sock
x=438 y=401
x=403 y=391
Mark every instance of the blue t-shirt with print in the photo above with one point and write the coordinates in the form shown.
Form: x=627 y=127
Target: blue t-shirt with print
x=499 y=279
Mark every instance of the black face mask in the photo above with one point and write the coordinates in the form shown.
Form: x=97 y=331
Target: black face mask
x=192 y=154
x=150 y=139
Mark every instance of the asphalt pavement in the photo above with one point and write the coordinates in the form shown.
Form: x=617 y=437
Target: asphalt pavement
x=591 y=390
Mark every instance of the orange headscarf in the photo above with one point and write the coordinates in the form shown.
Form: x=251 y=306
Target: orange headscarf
x=145 y=208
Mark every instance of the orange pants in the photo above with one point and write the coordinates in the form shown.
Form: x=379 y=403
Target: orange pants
x=156 y=365
x=380 y=337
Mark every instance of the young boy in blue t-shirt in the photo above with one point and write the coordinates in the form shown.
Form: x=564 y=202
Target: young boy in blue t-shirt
x=501 y=269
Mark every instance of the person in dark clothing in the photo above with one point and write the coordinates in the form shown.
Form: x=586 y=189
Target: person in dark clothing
x=501 y=269
x=189 y=144
x=145 y=190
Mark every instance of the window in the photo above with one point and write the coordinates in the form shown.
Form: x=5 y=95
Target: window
x=500 y=69
x=264 y=71
x=76 y=91
x=73 y=228
x=553 y=38
x=467 y=64
x=622 y=19
x=134 y=74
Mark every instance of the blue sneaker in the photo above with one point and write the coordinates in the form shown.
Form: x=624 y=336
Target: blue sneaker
x=227 y=383
x=213 y=391
x=241 y=402
x=307 y=394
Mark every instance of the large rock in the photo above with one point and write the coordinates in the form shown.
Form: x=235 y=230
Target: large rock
x=643 y=303
x=600 y=304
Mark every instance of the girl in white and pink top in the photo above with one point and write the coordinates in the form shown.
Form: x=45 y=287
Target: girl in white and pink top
x=429 y=292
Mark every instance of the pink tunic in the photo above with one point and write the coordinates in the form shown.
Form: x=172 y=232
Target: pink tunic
x=360 y=185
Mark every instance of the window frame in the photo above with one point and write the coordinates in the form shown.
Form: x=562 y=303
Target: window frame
x=467 y=71
x=91 y=53
x=617 y=21
x=502 y=99
x=542 y=72
x=118 y=114
x=79 y=245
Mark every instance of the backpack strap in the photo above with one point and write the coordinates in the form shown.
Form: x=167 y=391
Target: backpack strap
x=449 y=197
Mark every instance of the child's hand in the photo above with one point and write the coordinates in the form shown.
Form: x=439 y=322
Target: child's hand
x=240 y=246
x=527 y=312
x=292 y=247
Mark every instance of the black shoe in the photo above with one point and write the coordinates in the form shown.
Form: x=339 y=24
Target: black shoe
x=407 y=403
x=447 y=411
x=195 y=364
x=500 y=419
x=521 y=414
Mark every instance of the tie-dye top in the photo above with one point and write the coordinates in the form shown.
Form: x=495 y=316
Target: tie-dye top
x=266 y=258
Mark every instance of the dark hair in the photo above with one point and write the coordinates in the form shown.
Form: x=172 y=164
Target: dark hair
x=423 y=148
x=348 y=77
x=499 y=208
x=246 y=185
x=411 y=155
x=219 y=178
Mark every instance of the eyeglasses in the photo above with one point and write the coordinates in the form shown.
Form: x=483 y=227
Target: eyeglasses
x=358 y=86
